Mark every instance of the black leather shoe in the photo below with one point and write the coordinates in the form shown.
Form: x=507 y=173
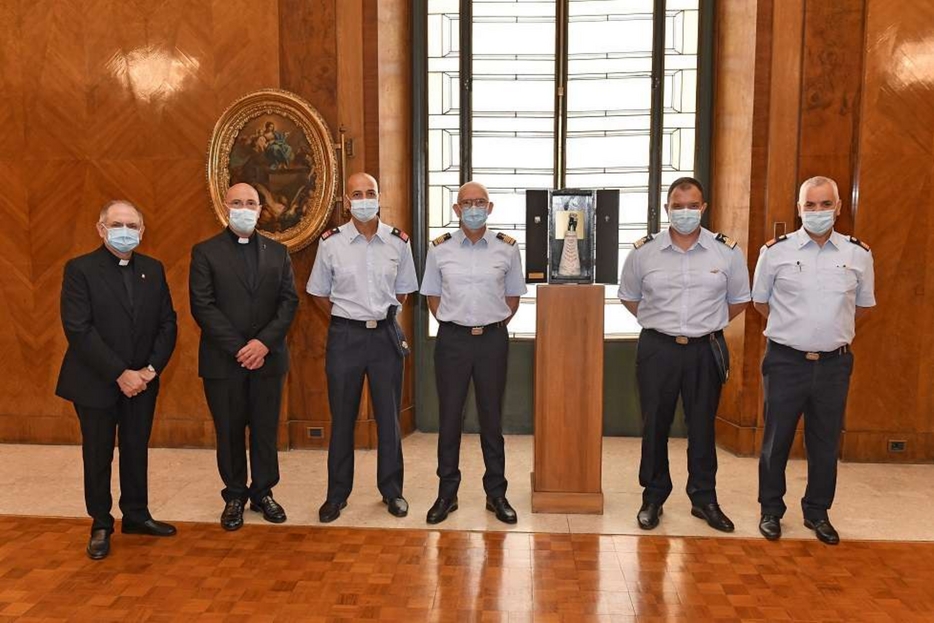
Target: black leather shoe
x=825 y=532
x=397 y=506
x=98 y=545
x=714 y=517
x=150 y=527
x=770 y=526
x=330 y=511
x=504 y=512
x=648 y=515
x=440 y=510
x=270 y=509
x=232 y=517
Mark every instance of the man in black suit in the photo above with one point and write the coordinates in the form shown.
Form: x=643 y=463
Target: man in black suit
x=243 y=298
x=120 y=324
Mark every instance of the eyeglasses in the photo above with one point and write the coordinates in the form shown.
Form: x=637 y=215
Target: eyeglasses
x=238 y=204
x=471 y=203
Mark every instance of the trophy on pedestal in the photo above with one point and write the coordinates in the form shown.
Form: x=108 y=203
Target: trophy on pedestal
x=571 y=247
x=572 y=236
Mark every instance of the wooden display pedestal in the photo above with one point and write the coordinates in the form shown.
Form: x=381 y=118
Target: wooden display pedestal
x=568 y=400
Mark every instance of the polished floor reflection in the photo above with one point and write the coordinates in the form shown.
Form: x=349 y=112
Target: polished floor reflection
x=184 y=486
x=301 y=573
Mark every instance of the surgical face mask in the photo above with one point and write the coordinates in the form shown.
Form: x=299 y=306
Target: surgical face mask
x=123 y=239
x=243 y=220
x=474 y=218
x=685 y=221
x=364 y=210
x=818 y=222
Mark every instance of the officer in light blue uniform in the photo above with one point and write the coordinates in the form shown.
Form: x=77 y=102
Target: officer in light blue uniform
x=361 y=276
x=684 y=285
x=473 y=280
x=811 y=286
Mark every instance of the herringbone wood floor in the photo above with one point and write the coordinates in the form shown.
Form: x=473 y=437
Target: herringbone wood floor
x=328 y=574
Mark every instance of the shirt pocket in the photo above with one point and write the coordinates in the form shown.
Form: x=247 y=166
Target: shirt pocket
x=710 y=283
x=840 y=279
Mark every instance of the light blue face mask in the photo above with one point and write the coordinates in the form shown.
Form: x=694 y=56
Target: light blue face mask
x=364 y=210
x=685 y=221
x=818 y=222
x=243 y=220
x=474 y=218
x=123 y=239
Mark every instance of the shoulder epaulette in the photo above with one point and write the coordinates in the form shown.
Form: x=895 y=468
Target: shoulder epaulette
x=400 y=234
x=330 y=233
x=859 y=242
x=726 y=240
x=641 y=241
x=440 y=239
x=507 y=239
x=775 y=241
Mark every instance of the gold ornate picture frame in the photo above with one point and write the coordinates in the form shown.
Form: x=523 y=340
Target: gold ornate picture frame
x=277 y=142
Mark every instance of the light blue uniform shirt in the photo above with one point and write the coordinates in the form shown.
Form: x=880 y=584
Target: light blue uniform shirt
x=685 y=292
x=473 y=280
x=813 y=291
x=360 y=277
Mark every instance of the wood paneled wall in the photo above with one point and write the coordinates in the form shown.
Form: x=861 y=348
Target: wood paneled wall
x=839 y=89
x=118 y=99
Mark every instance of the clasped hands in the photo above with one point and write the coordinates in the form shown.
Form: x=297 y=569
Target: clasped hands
x=134 y=382
x=253 y=355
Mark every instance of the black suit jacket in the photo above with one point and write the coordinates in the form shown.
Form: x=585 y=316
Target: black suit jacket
x=230 y=312
x=106 y=334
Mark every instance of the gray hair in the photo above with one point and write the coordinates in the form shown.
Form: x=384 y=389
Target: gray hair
x=818 y=180
x=123 y=202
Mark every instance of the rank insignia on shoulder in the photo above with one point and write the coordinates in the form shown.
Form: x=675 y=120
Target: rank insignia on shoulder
x=330 y=233
x=400 y=234
x=638 y=244
x=440 y=239
x=774 y=241
x=507 y=239
x=726 y=240
x=859 y=242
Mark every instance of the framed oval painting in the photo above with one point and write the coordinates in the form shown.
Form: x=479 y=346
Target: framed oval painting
x=278 y=143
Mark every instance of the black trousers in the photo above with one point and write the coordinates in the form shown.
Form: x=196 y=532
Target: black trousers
x=354 y=352
x=130 y=420
x=460 y=357
x=818 y=389
x=238 y=402
x=666 y=370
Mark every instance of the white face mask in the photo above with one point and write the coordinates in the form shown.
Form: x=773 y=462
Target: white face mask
x=243 y=220
x=685 y=221
x=818 y=222
x=364 y=210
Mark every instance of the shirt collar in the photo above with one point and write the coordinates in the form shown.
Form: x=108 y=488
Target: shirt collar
x=664 y=239
x=236 y=237
x=462 y=238
x=382 y=231
x=836 y=238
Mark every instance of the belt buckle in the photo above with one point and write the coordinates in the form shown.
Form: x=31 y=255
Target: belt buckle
x=812 y=356
x=371 y=324
x=681 y=340
x=476 y=330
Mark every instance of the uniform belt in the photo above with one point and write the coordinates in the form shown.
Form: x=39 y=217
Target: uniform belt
x=682 y=339
x=363 y=324
x=811 y=355
x=478 y=330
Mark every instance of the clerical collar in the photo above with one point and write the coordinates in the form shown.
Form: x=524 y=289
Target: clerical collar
x=238 y=238
x=124 y=262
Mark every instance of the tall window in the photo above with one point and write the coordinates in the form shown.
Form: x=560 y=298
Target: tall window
x=539 y=94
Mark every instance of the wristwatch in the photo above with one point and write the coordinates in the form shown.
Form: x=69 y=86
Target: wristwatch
x=151 y=369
